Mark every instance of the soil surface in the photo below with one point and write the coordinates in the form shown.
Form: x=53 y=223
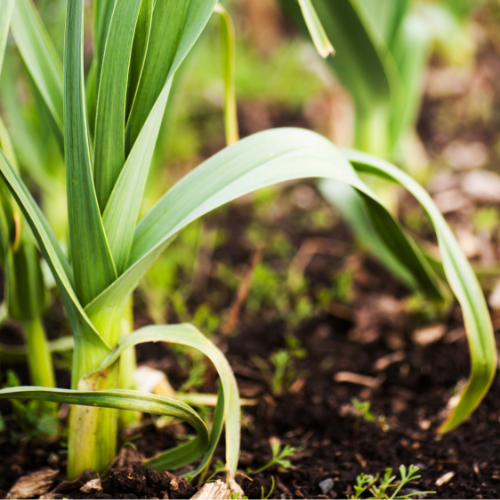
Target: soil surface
x=410 y=386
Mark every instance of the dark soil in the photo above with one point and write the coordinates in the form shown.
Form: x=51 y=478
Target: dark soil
x=315 y=413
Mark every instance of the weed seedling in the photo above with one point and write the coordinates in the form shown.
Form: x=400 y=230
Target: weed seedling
x=379 y=488
x=362 y=412
x=279 y=457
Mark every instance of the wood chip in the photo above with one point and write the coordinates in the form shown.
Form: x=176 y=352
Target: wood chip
x=455 y=335
x=494 y=298
x=33 y=485
x=468 y=242
x=466 y=156
x=482 y=186
x=92 y=486
x=452 y=201
x=383 y=362
x=445 y=478
x=216 y=490
x=429 y=334
x=355 y=378
x=425 y=425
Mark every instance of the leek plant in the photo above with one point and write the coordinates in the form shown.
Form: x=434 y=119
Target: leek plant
x=139 y=45
x=24 y=285
x=382 y=51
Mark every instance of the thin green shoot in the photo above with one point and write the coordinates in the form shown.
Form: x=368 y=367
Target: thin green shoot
x=279 y=457
x=270 y=491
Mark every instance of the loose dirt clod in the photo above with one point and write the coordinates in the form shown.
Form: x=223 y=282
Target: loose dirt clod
x=33 y=485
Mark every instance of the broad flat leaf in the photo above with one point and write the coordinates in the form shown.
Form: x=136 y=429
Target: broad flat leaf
x=462 y=281
x=175 y=27
x=40 y=57
x=229 y=412
x=93 y=265
x=6 y=8
x=265 y=159
x=109 y=143
x=250 y=164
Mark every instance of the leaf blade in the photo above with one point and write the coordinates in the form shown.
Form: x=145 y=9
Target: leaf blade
x=92 y=261
x=188 y=335
x=40 y=56
x=464 y=284
x=109 y=143
x=125 y=400
x=52 y=253
x=7 y=8
x=174 y=29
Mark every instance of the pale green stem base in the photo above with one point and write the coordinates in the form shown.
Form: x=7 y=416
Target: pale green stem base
x=128 y=364
x=40 y=359
x=93 y=431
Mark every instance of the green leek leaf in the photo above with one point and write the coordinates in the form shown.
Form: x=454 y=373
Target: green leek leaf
x=109 y=143
x=93 y=265
x=462 y=281
x=40 y=57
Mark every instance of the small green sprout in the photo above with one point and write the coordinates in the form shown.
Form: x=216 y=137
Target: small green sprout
x=279 y=457
x=366 y=482
x=218 y=467
x=237 y=496
x=362 y=412
x=285 y=371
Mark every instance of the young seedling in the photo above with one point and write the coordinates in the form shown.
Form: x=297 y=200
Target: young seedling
x=362 y=412
x=379 y=488
x=279 y=457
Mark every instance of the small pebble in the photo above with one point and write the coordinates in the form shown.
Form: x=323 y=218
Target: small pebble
x=326 y=486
